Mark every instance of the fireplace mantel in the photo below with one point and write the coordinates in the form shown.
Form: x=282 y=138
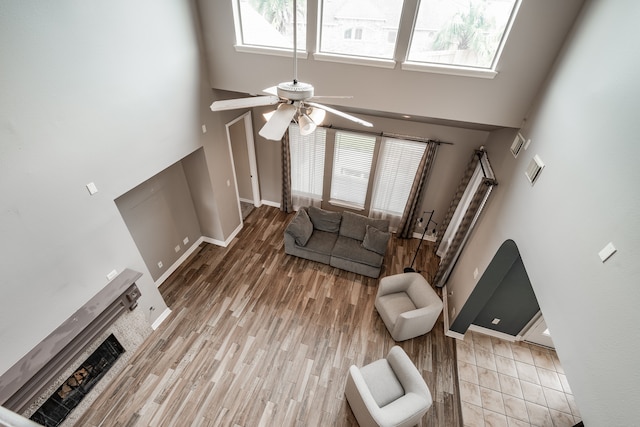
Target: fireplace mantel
x=34 y=372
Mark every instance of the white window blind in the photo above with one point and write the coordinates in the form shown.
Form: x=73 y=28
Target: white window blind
x=398 y=163
x=307 y=166
x=352 y=160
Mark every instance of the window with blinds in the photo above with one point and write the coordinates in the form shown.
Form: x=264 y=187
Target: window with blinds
x=307 y=162
x=398 y=163
x=352 y=159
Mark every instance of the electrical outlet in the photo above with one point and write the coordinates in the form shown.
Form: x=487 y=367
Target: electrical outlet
x=475 y=273
x=185 y=240
x=453 y=311
x=204 y=128
x=160 y=264
x=495 y=321
x=112 y=275
x=177 y=248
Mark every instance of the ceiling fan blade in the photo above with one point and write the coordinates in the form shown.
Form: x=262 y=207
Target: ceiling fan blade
x=276 y=126
x=332 y=96
x=340 y=113
x=255 y=101
x=273 y=90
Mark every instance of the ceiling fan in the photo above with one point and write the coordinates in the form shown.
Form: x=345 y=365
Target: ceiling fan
x=294 y=100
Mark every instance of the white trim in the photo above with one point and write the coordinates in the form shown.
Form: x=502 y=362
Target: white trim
x=156 y=323
x=233 y=163
x=253 y=163
x=448 y=332
x=428 y=237
x=492 y=333
x=169 y=271
x=263 y=50
x=242 y=199
x=449 y=69
x=226 y=242
x=355 y=60
x=270 y=203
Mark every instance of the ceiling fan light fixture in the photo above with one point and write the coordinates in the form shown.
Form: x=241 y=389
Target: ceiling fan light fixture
x=306 y=124
x=317 y=115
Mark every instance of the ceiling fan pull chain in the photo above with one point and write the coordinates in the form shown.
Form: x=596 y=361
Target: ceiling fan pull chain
x=295 y=44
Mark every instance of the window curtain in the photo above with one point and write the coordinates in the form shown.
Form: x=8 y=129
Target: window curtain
x=286 y=204
x=414 y=202
x=465 y=208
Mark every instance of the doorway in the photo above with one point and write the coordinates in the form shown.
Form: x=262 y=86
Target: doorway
x=243 y=156
x=537 y=332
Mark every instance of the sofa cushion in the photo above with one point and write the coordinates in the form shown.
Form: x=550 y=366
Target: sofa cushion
x=324 y=220
x=300 y=228
x=352 y=250
x=354 y=226
x=321 y=242
x=376 y=240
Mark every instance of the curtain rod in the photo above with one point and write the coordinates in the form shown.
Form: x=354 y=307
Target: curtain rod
x=391 y=135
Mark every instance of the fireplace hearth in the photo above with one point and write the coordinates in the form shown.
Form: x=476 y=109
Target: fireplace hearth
x=69 y=395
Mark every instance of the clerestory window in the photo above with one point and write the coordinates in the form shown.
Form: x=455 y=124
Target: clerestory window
x=463 y=37
x=467 y=33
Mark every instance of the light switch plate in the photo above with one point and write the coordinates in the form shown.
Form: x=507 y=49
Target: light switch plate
x=92 y=188
x=607 y=251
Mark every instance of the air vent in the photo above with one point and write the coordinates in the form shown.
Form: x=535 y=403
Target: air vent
x=517 y=145
x=534 y=169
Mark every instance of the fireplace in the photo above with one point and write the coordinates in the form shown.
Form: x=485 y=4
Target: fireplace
x=58 y=365
x=79 y=384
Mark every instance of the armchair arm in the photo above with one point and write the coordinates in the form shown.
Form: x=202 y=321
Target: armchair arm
x=360 y=399
x=416 y=322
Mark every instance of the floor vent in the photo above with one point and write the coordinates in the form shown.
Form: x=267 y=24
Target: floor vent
x=533 y=170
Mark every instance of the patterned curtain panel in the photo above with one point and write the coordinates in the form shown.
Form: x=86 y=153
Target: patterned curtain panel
x=461 y=234
x=468 y=173
x=286 y=205
x=412 y=209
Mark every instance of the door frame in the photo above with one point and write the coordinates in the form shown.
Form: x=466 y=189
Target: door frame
x=253 y=164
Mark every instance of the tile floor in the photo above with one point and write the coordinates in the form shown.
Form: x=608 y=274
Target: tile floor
x=512 y=384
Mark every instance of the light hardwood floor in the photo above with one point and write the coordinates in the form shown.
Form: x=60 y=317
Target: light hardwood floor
x=261 y=338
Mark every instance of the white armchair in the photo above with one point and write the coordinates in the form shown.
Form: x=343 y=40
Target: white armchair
x=388 y=392
x=408 y=305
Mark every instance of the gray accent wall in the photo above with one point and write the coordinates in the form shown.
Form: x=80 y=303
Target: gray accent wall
x=585 y=129
x=503 y=292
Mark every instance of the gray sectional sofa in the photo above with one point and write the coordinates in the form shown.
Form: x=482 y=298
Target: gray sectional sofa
x=344 y=240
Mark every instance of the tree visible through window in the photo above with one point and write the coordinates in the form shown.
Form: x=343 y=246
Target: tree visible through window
x=269 y=23
x=463 y=33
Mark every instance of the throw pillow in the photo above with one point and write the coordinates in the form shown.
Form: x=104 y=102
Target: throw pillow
x=324 y=220
x=301 y=228
x=354 y=225
x=375 y=240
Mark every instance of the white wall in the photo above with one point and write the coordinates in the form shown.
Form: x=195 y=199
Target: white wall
x=586 y=131
x=540 y=29
x=105 y=92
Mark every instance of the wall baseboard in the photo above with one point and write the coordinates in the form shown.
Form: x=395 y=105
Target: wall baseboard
x=270 y=203
x=428 y=237
x=445 y=311
x=178 y=262
x=161 y=318
x=492 y=333
x=225 y=243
